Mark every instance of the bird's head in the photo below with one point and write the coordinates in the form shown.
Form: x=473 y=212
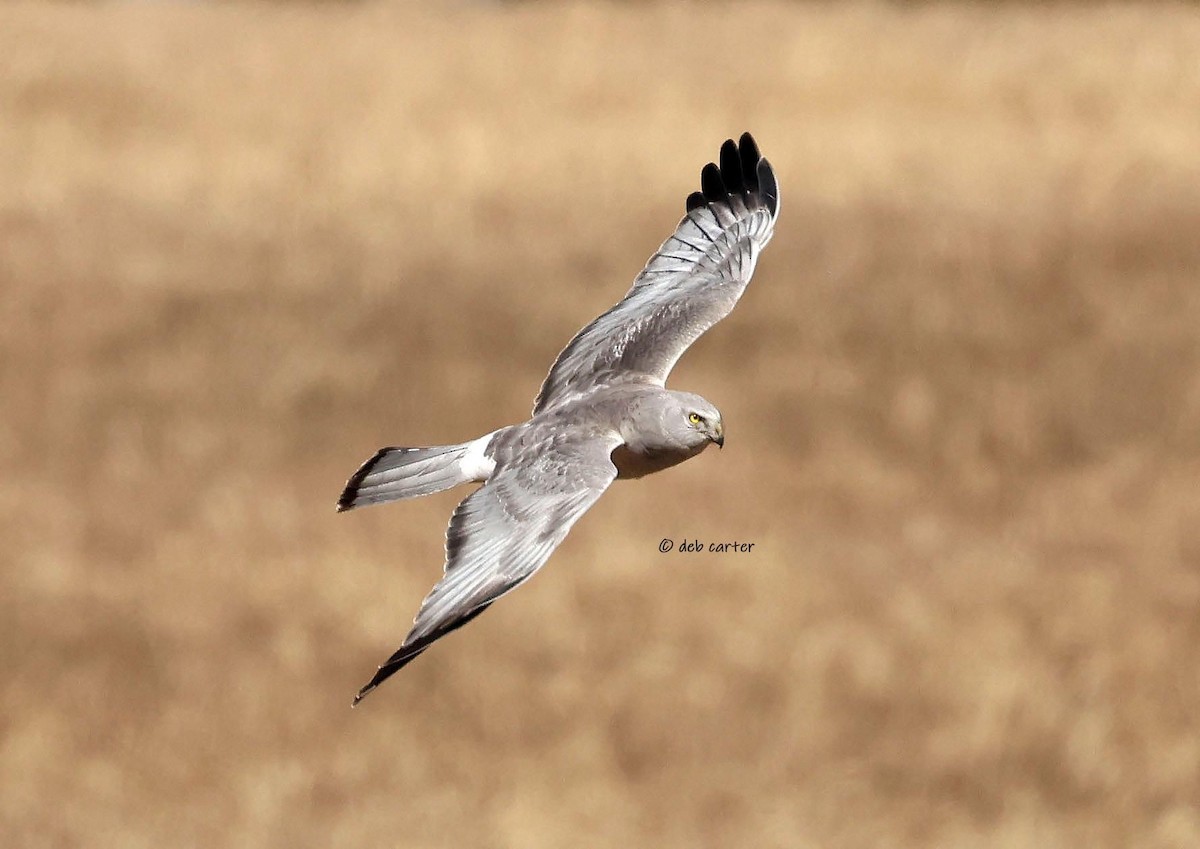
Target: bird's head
x=695 y=422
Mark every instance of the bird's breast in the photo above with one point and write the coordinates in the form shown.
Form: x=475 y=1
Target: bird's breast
x=639 y=462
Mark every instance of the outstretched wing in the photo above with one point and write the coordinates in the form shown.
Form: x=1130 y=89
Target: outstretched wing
x=504 y=531
x=693 y=282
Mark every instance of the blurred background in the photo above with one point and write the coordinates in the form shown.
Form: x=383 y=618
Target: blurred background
x=242 y=245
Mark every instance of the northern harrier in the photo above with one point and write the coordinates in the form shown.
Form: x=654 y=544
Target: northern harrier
x=602 y=413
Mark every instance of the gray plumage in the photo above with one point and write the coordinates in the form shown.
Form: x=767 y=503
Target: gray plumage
x=603 y=411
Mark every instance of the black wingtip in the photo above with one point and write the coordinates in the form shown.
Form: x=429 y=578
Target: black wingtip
x=712 y=185
x=409 y=652
x=731 y=168
x=403 y=656
x=767 y=186
x=749 y=155
x=742 y=171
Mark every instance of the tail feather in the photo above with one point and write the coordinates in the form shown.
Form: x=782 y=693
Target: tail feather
x=397 y=473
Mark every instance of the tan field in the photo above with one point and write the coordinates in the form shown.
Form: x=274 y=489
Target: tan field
x=242 y=246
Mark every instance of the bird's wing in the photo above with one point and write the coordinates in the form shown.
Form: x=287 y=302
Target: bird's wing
x=691 y=283
x=504 y=531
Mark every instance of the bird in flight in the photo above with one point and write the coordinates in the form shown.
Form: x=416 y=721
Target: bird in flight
x=603 y=412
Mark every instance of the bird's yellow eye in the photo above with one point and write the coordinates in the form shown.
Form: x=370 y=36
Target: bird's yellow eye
x=694 y=418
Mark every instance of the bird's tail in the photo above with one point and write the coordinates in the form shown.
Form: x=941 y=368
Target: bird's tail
x=397 y=473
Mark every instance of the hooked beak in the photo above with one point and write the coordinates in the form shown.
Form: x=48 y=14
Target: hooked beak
x=720 y=437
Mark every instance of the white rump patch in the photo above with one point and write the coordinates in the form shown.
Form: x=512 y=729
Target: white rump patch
x=475 y=464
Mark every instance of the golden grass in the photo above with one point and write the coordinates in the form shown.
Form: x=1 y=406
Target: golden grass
x=244 y=245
